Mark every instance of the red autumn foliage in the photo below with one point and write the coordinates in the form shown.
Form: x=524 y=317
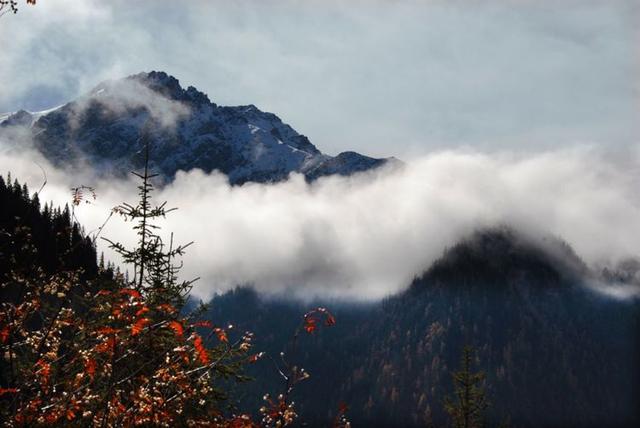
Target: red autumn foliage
x=131 y=293
x=310 y=325
x=90 y=366
x=330 y=321
x=107 y=330
x=165 y=307
x=201 y=352
x=108 y=346
x=222 y=335
x=43 y=369
x=139 y=326
x=311 y=318
x=177 y=327
x=142 y=311
x=4 y=391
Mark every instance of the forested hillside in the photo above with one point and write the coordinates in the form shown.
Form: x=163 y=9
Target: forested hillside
x=40 y=235
x=554 y=353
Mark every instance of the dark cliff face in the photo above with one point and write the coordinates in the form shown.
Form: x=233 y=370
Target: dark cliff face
x=107 y=127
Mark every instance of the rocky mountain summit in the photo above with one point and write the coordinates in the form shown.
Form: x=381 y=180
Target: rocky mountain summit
x=105 y=129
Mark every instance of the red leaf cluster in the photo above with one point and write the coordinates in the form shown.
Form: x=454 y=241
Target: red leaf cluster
x=177 y=327
x=4 y=391
x=131 y=293
x=312 y=318
x=201 y=352
x=90 y=366
x=139 y=326
x=222 y=335
x=4 y=334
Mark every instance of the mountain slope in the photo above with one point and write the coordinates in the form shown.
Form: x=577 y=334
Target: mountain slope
x=105 y=128
x=555 y=353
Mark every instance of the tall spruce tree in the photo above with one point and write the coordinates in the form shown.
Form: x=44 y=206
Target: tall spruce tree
x=467 y=408
x=154 y=271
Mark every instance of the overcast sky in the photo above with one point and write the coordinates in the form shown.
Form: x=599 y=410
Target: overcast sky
x=382 y=77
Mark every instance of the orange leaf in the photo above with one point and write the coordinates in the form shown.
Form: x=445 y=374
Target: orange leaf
x=90 y=367
x=131 y=293
x=4 y=334
x=142 y=310
x=139 y=326
x=118 y=405
x=177 y=327
x=310 y=325
x=44 y=370
x=108 y=346
x=167 y=308
x=222 y=335
x=103 y=293
x=255 y=357
x=330 y=321
x=200 y=350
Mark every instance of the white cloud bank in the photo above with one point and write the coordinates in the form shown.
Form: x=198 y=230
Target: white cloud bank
x=367 y=236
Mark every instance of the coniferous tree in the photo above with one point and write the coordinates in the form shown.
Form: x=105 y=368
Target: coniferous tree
x=467 y=408
x=154 y=272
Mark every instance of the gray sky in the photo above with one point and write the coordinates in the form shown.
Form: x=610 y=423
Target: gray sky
x=381 y=77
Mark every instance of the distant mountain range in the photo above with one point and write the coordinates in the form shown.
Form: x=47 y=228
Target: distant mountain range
x=105 y=129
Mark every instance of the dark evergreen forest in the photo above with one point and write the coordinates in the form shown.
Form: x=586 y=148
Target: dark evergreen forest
x=554 y=354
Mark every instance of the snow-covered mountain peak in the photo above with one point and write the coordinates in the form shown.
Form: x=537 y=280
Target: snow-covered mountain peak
x=186 y=129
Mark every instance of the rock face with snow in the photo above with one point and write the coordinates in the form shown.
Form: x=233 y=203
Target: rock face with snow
x=107 y=128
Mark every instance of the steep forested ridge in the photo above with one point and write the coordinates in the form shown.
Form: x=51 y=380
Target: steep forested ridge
x=555 y=354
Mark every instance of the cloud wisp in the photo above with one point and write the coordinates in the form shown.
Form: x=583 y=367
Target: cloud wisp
x=124 y=95
x=366 y=236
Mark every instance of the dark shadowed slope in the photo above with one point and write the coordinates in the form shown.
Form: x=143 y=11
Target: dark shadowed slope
x=555 y=353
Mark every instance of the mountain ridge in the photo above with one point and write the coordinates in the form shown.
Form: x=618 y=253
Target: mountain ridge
x=187 y=130
x=534 y=326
